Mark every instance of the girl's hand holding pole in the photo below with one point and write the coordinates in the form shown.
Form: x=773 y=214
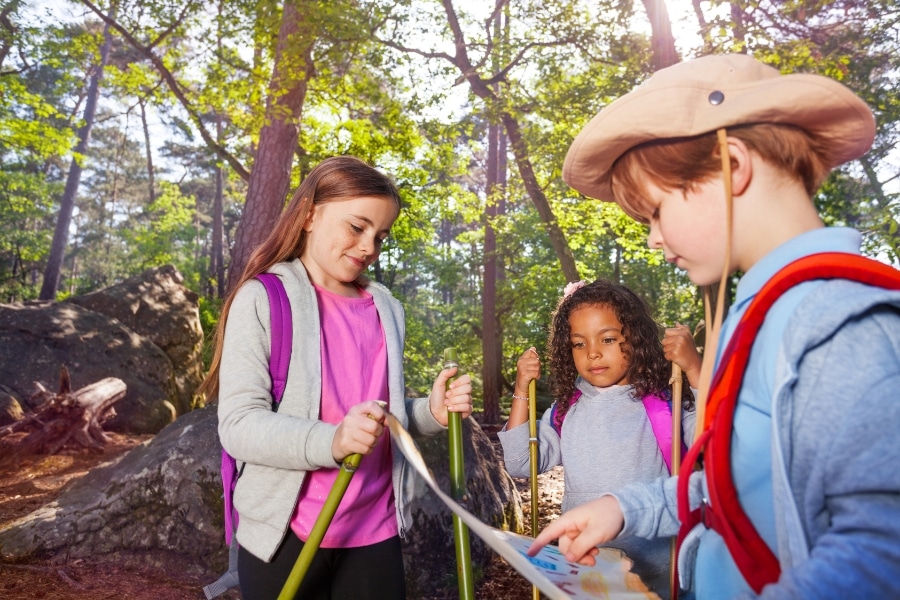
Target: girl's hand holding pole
x=679 y=347
x=528 y=369
x=457 y=397
x=358 y=432
x=580 y=529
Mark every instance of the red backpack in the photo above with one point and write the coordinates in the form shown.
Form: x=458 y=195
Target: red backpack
x=755 y=560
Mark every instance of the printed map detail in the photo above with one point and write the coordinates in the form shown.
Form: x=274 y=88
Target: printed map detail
x=557 y=578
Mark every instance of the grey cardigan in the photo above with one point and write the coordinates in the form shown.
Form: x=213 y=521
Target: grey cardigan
x=278 y=448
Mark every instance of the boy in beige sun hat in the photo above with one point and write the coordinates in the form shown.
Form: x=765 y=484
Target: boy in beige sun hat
x=721 y=156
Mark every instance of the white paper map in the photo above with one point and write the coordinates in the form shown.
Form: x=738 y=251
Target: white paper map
x=555 y=577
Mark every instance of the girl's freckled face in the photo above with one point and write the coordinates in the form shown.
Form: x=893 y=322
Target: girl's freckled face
x=344 y=239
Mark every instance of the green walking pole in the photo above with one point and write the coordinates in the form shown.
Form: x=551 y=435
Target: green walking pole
x=348 y=468
x=458 y=492
x=533 y=455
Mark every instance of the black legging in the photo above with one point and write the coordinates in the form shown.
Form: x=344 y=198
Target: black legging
x=366 y=573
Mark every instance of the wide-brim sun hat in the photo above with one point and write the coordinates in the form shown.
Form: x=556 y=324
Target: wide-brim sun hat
x=706 y=94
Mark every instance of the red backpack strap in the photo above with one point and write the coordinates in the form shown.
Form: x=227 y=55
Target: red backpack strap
x=756 y=561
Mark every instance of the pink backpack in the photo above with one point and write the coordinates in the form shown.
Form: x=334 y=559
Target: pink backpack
x=659 y=411
x=279 y=360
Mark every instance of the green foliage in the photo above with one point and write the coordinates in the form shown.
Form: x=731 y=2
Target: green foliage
x=383 y=86
x=210 y=309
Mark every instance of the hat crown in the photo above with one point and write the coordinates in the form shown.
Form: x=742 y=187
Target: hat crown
x=712 y=71
x=713 y=92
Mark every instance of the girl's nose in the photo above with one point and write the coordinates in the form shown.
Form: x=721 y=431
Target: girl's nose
x=367 y=245
x=654 y=238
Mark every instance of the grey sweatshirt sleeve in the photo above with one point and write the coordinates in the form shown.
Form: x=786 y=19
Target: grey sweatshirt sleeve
x=516 y=452
x=650 y=508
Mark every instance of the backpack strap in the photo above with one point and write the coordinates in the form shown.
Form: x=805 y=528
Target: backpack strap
x=755 y=560
x=659 y=411
x=282 y=329
x=557 y=419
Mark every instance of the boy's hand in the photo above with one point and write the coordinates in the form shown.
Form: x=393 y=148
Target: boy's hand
x=457 y=398
x=528 y=367
x=581 y=529
x=359 y=430
x=678 y=345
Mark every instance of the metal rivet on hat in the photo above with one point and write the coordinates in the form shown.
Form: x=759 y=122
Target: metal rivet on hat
x=716 y=98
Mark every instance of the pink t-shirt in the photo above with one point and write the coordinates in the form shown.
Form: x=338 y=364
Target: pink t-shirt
x=354 y=369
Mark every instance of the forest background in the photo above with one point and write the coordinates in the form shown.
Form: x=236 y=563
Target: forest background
x=137 y=133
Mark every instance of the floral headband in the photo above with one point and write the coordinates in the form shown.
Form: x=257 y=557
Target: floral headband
x=572 y=287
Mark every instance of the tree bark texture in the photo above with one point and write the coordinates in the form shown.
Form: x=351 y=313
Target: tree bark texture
x=662 y=41
x=270 y=177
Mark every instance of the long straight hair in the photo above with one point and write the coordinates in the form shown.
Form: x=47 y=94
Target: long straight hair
x=333 y=179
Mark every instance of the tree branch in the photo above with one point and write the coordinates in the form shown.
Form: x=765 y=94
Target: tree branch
x=176 y=89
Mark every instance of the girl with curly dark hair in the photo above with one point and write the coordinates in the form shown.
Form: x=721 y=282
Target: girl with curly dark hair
x=611 y=422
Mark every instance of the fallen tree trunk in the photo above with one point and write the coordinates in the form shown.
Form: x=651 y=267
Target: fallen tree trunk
x=69 y=419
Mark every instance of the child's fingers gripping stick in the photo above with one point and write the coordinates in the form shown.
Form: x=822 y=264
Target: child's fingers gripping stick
x=359 y=430
x=456 y=397
x=528 y=368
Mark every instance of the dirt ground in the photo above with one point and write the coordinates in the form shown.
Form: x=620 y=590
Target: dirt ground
x=29 y=482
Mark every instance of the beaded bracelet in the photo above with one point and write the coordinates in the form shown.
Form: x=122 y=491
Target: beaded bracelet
x=519 y=397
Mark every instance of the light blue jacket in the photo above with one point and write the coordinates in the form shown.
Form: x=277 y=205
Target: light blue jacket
x=278 y=448
x=833 y=513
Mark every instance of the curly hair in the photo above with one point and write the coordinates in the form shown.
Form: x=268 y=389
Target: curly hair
x=648 y=370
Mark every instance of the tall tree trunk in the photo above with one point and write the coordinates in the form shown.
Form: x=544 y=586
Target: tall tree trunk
x=491 y=342
x=492 y=329
x=217 y=250
x=270 y=177
x=73 y=180
x=482 y=89
x=217 y=254
x=662 y=40
x=151 y=177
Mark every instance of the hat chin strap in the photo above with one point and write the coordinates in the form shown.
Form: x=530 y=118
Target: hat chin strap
x=712 y=333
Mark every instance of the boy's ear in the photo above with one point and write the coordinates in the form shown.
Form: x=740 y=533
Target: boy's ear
x=741 y=166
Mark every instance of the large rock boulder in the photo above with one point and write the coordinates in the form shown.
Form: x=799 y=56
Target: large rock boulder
x=145 y=331
x=36 y=339
x=161 y=504
x=156 y=305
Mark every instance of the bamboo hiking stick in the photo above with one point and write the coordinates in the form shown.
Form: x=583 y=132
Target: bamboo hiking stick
x=295 y=578
x=533 y=453
x=458 y=492
x=676 y=466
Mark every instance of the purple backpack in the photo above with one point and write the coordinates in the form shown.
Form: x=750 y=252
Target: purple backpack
x=659 y=411
x=279 y=359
